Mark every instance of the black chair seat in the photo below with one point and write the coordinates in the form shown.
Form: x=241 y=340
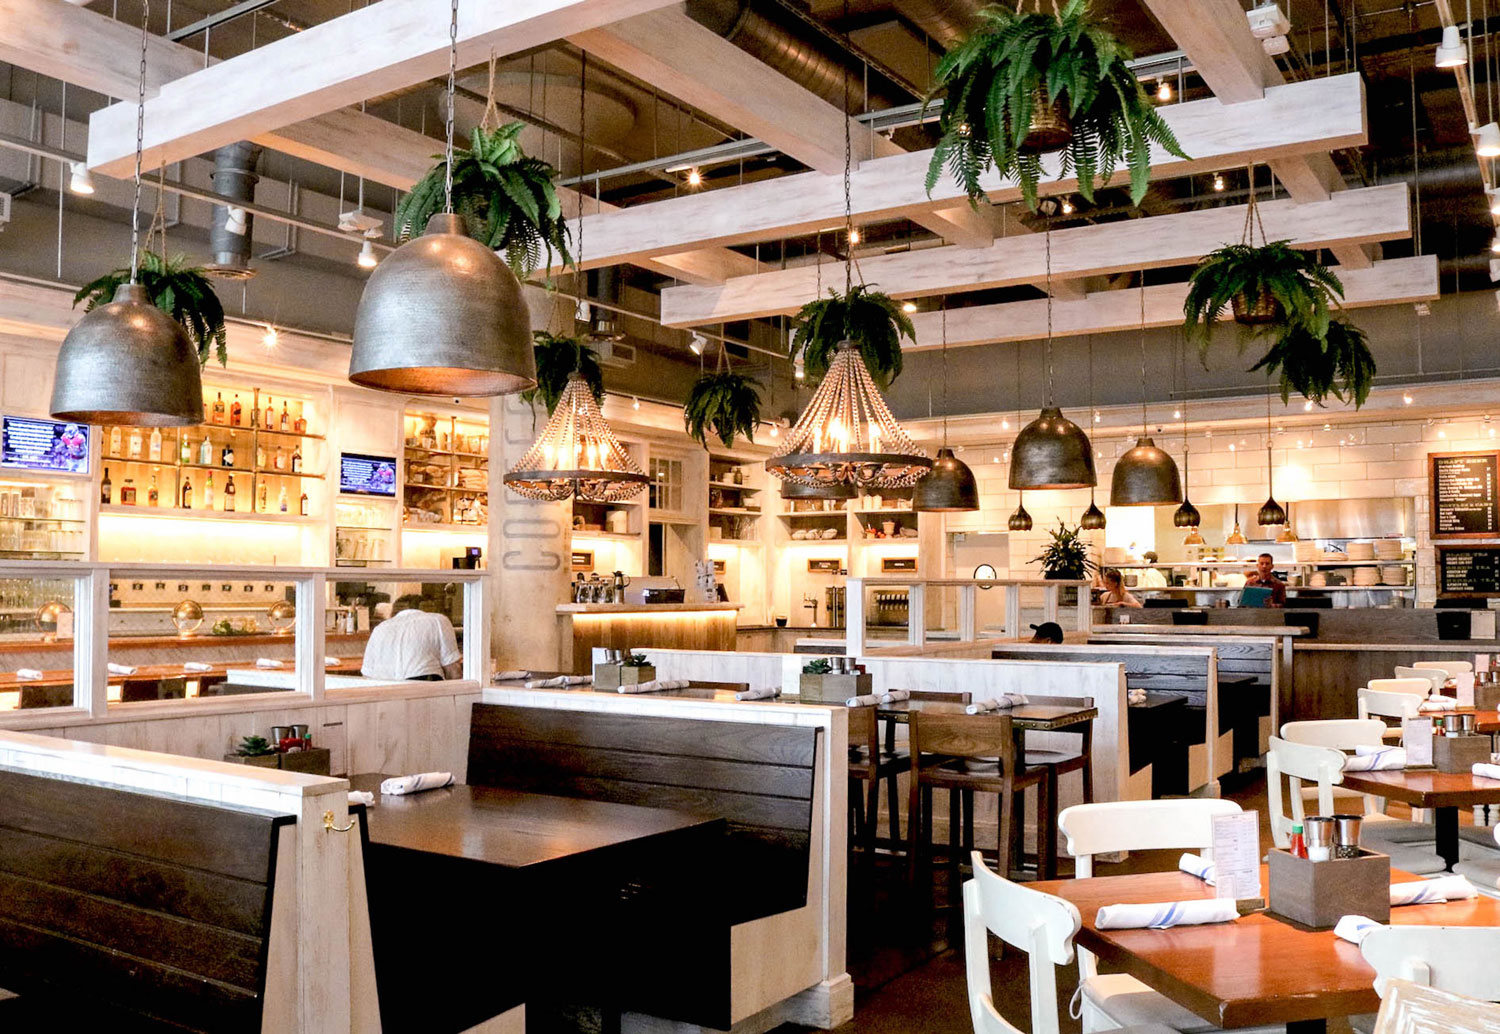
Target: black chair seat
x=1053 y=757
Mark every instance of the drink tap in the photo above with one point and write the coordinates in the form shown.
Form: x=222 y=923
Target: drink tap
x=810 y=602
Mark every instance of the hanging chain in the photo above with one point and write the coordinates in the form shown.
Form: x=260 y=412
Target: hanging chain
x=1144 y=431
x=452 y=91
x=1047 y=355
x=945 y=371
x=848 y=198
x=140 y=136
x=583 y=81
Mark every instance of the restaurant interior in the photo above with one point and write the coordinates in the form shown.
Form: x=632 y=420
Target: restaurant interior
x=675 y=516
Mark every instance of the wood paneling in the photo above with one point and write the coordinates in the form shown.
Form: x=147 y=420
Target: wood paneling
x=679 y=630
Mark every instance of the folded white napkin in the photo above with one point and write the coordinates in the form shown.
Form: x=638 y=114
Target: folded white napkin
x=512 y=675
x=768 y=693
x=267 y=663
x=1437 y=703
x=560 y=682
x=196 y=666
x=364 y=797
x=1427 y=892
x=1488 y=771
x=1162 y=914
x=402 y=785
x=655 y=686
x=1376 y=759
x=120 y=669
x=28 y=673
x=864 y=700
x=1354 y=928
x=1135 y=696
x=895 y=696
x=1198 y=866
x=331 y=662
x=1004 y=702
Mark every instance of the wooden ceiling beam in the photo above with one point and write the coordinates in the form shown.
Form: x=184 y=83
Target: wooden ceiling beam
x=1349 y=217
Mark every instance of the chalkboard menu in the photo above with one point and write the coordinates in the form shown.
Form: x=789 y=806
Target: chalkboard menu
x=1468 y=570
x=1465 y=495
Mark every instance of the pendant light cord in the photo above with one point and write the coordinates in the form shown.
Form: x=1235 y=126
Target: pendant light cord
x=945 y=370
x=583 y=80
x=848 y=197
x=1144 y=430
x=1047 y=357
x=452 y=91
x=140 y=136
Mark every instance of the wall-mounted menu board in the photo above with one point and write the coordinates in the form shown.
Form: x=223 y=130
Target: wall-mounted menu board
x=1465 y=494
x=1468 y=570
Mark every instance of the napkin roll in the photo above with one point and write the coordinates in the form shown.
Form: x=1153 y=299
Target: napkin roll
x=655 y=686
x=560 y=682
x=28 y=674
x=364 y=797
x=767 y=693
x=1488 y=771
x=1354 y=928
x=512 y=675
x=1376 y=759
x=863 y=700
x=1198 y=866
x=895 y=696
x=1428 y=892
x=1163 y=914
x=331 y=662
x=196 y=666
x=402 y=785
x=267 y=663
x=1004 y=702
x=120 y=669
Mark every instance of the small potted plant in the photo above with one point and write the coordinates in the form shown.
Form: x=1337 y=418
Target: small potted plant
x=181 y=291
x=1065 y=558
x=556 y=358
x=632 y=670
x=257 y=751
x=869 y=318
x=725 y=402
x=1272 y=284
x=819 y=681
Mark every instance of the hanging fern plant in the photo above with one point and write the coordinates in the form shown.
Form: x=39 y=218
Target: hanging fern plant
x=181 y=291
x=726 y=403
x=1026 y=82
x=556 y=358
x=506 y=198
x=1337 y=364
x=870 y=319
x=1280 y=285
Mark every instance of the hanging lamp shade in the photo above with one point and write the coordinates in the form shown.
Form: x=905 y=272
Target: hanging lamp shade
x=847 y=434
x=443 y=315
x=1052 y=452
x=128 y=362
x=1020 y=520
x=1270 y=513
x=1236 y=537
x=577 y=455
x=1145 y=476
x=948 y=488
x=1187 y=515
x=1193 y=538
x=1093 y=517
x=791 y=490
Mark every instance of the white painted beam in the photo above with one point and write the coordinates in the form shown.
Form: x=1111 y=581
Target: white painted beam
x=1390 y=282
x=373 y=50
x=1298 y=118
x=1351 y=216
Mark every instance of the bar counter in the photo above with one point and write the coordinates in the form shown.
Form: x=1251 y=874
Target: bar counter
x=638 y=626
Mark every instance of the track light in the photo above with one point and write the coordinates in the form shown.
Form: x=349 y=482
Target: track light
x=80 y=180
x=854 y=237
x=694 y=178
x=270 y=338
x=1164 y=90
x=367 y=257
x=1218 y=181
x=1450 y=52
x=1487 y=143
x=235 y=220
x=1067 y=207
x=697 y=343
x=908 y=307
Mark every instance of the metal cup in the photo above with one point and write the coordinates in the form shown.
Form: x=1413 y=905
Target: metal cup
x=279 y=733
x=1465 y=723
x=1346 y=836
x=1317 y=834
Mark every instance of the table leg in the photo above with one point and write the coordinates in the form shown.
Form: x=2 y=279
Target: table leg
x=1447 y=835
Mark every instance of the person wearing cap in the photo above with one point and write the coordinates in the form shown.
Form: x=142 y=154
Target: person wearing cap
x=1047 y=632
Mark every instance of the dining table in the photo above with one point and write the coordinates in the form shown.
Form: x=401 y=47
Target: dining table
x=1444 y=792
x=1256 y=970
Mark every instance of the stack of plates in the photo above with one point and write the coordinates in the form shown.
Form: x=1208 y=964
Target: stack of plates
x=1361 y=551
x=1318 y=579
x=1393 y=575
x=1305 y=551
x=1388 y=549
x=1367 y=576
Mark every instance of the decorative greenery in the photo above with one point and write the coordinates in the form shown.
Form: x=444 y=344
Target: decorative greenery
x=869 y=318
x=726 y=403
x=1303 y=287
x=255 y=747
x=635 y=660
x=505 y=197
x=1338 y=364
x=181 y=291
x=995 y=78
x=556 y=358
x=1066 y=556
x=821 y=666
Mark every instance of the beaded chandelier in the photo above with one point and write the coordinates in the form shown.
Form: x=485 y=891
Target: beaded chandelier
x=577 y=455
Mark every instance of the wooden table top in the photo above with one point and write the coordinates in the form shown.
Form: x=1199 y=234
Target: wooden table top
x=513 y=829
x=1427 y=788
x=1039 y=717
x=1259 y=969
x=145 y=672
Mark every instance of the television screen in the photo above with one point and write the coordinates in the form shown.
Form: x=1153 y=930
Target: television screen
x=367 y=475
x=44 y=445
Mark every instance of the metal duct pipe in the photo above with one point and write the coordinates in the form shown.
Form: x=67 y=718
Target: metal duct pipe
x=946 y=21
x=229 y=240
x=794 y=50
x=1451 y=170
x=604 y=285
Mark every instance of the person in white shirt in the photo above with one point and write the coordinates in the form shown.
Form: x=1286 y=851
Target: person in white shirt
x=413 y=644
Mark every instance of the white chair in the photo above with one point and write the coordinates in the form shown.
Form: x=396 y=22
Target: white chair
x=1434 y=677
x=1111 y=1000
x=1409 y=1008
x=1450 y=667
x=1039 y=924
x=1484 y=873
x=1458 y=959
x=1346 y=734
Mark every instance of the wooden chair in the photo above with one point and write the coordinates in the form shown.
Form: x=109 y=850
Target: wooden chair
x=1113 y=999
x=1061 y=762
x=973 y=753
x=1039 y=924
x=1409 y=1008
x=893 y=791
x=1380 y=700
x=870 y=765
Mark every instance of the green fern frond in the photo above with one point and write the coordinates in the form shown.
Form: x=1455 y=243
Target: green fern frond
x=181 y=291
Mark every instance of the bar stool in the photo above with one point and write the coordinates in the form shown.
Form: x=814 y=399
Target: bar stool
x=893 y=792
x=1059 y=762
x=871 y=765
x=964 y=754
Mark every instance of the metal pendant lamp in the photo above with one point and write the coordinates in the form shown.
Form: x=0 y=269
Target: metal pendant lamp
x=577 y=455
x=1187 y=515
x=1236 y=537
x=1052 y=451
x=443 y=314
x=1145 y=475
x=950 y=486
x=1092 y=518
x=1020 y=520
x=1271 y=512
x=128 y=362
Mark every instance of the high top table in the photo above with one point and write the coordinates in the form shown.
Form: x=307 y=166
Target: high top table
x=1444 y=792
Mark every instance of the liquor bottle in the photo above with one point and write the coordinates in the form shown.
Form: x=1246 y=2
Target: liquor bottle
x=218 y=416
x=226 y=454
x=106 y=487
x=302 y=505
x=286 y=418
x=185 y=448
x=262 y=505
x=236 y=412
x=260 y=455
x=229 y=493
x=187 y=493
x=137 y=439
x=127 y=493
x=300 y=424
x=205 y=452
x=280 y=458
x=208 y=491
x=155 y=445
x=153 y=497
x=270 y=421
x=114 y=441
x=297 y=459
x=281 y=500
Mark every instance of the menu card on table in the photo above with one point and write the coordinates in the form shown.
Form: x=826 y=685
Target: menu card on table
x=1236 y=846
x=1416 y=737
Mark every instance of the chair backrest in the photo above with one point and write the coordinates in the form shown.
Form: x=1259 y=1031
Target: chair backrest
x=1299 y=762
x=963 y=736
x=1433 y=677
x=1449 y=668
x=1408 y=1008
x=864 y=730
x=1460 y=959
x=1060 y=701
x=942 y=696
x=1039 y=924
x=1104 y=828
x=1338 y=733
x=1384 y=704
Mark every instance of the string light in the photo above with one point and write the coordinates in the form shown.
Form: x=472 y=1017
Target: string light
x=1067 y=207
x=854 y=237
x=1406 y=398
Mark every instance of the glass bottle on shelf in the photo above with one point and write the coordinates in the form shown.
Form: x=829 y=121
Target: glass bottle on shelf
x=297 y=459
x=106 y=487
x=281 y=500
x=184 y=448
x=206 y=451
x=300 y=424
x=286 y=418
x=127 y=493
x=218 y=416
x=153 y=497
x=302 y=505
x=236 y=412
x=187 y=492
x=155 y=452
x=137 y=439
x=226 y=454
x=229 y=494
x=260 y=455
x=114 y=440
x=208 y=491
x=262 y=505
x=280 y=458
x=270 y=420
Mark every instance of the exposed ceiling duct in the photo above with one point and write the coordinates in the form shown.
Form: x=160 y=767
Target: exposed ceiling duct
x=946 y=21
x=230 y=236
x=604 y=323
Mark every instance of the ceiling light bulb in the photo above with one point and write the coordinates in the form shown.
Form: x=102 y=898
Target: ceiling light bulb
x=1450 y=52
x=636 y=404
x=1494 y=201
x=1164 y=90
x=854 y=237
x=1067 y=207
x=694 y=178
x=1307 y=406
x=1005 y=424
x=1495 y=244
x=1231 y=446
x=1488 y=140
x=908 y=307
x=1176 y=414
x=775 y=430
x=1098 y=416
x=1406 y=398
x=367 y=257
x=799 y=368
x=1218 y=181
x=80 y=181
x=270 y=338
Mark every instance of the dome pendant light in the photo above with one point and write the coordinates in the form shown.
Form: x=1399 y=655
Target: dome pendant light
x=1187 y=515
x=1236 y=537
x=443 y=314
x=1093 y=517
x=1271 y=514
x=1145 y=475
x=950 y=486
x=1051 y=452
x=128 y=362
x=1020 y=520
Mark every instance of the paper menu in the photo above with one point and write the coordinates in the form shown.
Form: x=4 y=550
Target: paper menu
x=1236 y=847
x=1463 y=684
x=1416 y=737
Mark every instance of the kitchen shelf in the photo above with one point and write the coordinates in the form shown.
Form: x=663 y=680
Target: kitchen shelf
x=476 y=528
x=359 y=563
x=441 y=452
x=1249 y=562
x=40 y=554
x=732 y=486
x=448 y=488
x=44 y=520
x=611 y=536
x=802 y=514
x=753 y=543
x=177 y=513
x=733 y=511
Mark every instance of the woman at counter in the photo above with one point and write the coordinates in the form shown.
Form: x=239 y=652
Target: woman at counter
x=1115 y=594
